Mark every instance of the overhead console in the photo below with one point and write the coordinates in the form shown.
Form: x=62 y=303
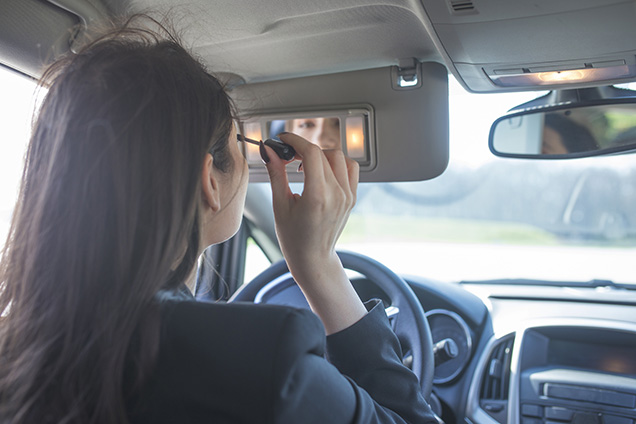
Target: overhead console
x=502 y=45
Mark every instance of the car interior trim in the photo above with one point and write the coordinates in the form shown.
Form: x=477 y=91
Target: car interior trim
x=474 y=410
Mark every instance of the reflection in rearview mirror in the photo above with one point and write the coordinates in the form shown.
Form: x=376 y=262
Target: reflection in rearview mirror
x=566 y=132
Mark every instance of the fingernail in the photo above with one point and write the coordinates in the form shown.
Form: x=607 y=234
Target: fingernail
x=263 y=152
x=300 y=167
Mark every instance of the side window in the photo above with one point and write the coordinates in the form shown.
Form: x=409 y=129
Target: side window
x=16 y=109
x=255 y=260
x=223 y=268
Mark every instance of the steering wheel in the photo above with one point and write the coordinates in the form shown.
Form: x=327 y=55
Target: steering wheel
x=275 y=285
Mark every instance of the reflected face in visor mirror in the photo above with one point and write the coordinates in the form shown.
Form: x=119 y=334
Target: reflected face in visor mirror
x=325 y=132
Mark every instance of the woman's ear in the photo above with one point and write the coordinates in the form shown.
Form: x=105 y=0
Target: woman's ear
x=210 y=185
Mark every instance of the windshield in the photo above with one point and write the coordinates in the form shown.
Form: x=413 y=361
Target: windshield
x=490 y=218
x=484 y=218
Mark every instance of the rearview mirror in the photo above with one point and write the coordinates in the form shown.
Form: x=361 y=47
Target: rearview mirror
x=566 y=131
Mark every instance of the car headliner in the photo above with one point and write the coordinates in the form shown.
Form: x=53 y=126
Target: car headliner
x=271 y=40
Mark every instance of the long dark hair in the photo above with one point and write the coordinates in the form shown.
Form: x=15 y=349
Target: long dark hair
x=107 y=216
x=574 y=136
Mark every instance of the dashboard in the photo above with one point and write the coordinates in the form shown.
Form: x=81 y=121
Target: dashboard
x=539 y=355
x=516 y=353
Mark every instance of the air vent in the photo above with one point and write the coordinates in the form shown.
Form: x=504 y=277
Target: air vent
x=493 y=397
x=462 y=7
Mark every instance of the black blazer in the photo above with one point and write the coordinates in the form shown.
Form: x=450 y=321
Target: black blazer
x=245 y=363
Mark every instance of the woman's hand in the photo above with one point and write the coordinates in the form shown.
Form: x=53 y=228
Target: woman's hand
x=308 y=226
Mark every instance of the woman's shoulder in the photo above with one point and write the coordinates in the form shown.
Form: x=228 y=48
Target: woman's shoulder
x=223 y=356
x=229 y=330
x=200 y=317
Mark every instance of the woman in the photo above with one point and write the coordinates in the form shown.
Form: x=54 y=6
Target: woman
x=133 y=168
x=562 y=135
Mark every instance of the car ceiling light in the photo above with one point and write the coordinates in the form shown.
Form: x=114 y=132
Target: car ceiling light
x=562 y=76
x=536 y=78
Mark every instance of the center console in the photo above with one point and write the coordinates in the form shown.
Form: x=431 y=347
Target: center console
x=577 y=375
x=578 y=372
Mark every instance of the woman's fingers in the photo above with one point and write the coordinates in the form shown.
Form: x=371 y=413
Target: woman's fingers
x=310 y=154
x=277 y=177
x=338 y=164
x=341 y=175
x=351 y=175
x=353 y=171
x=329 y=193
x=325 y=168
x=344 y=170
x=309 y=225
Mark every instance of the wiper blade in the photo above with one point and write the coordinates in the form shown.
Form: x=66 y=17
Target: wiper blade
x=606 y=283
x=528 y=282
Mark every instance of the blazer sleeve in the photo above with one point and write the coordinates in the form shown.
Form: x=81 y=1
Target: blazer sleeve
x=364 y=383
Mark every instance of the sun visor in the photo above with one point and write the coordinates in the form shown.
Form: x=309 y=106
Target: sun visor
x=33 y=33
x=405 y=116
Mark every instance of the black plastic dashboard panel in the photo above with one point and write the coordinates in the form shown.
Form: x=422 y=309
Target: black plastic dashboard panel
x=577 y=374
x=590 y=349
x=573 y=360
x=453 y=297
